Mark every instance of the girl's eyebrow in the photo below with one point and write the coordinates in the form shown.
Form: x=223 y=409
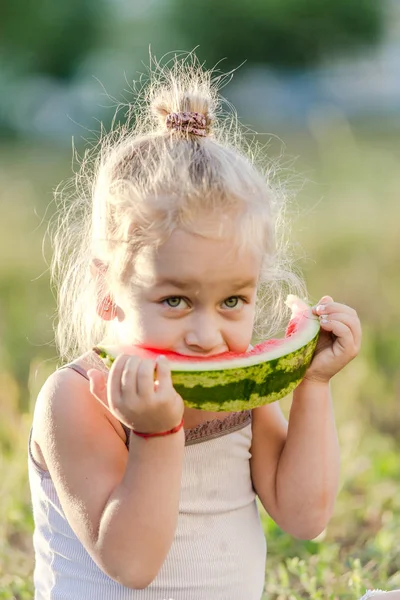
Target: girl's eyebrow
x=186 y=284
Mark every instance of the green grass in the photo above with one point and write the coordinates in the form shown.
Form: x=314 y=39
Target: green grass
x=347 y=229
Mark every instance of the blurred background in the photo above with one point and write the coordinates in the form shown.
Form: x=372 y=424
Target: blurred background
x=320 y=82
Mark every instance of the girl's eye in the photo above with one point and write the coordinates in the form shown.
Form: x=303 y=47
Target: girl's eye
x=174 y=302
x=233 y=302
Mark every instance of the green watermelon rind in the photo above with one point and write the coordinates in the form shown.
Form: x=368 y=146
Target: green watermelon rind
x=247 y=387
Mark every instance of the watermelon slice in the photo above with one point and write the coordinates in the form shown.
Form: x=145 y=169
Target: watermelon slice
x=237 y=382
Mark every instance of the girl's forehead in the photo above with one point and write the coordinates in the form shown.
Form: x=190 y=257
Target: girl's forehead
x=190 y=256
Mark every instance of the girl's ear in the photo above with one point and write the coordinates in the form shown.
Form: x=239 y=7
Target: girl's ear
x=98 y=269
x=105 y=306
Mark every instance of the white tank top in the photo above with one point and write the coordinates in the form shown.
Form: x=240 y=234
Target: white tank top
x=219 y=548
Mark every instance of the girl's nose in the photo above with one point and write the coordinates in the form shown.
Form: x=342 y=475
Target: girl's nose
x=204 y=335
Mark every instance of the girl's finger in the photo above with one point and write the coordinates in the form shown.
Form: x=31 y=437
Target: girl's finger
x=120 y=376
x=145 y=379
x=347 y=319
x=345 y=340
x=163 y=373
x=333 y=307
x=98 y=385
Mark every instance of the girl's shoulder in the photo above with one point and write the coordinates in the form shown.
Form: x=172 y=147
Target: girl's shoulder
x=83 y=449
x=65 y=402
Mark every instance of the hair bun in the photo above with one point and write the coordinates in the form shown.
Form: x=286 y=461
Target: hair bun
x=183 y=111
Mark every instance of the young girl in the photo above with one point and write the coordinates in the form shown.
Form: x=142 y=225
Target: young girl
x=173 y=246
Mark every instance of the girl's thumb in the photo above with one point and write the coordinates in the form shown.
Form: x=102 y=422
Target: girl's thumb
x=98 y=385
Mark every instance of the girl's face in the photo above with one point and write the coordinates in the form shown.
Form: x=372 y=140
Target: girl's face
x=195 y=296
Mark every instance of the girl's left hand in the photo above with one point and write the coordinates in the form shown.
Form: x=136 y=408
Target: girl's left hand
x=339 y=340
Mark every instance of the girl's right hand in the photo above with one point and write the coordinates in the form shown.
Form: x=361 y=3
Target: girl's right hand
x=134 y=398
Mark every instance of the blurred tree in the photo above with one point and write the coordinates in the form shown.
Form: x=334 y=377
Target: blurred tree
x=283 y=33
x=46 y=36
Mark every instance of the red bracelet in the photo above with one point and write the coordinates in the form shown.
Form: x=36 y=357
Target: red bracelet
x=161 y=433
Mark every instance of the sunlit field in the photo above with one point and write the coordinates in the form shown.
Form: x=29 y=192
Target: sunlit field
x=346 y=225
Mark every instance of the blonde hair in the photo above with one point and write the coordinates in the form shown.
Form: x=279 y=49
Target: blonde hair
x=142 y=180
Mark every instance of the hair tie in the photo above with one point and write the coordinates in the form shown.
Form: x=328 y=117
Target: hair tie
x=188 y=122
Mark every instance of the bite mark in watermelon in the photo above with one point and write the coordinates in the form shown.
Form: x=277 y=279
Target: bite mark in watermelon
x=236 y=382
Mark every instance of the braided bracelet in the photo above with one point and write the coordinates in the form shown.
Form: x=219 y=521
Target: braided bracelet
x=161 y=433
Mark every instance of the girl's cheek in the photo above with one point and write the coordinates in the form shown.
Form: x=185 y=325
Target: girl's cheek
x=160 y=332
x=239 y=338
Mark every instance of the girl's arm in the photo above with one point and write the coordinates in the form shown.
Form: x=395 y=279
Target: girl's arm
x=122 y=506
x=295 y=468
